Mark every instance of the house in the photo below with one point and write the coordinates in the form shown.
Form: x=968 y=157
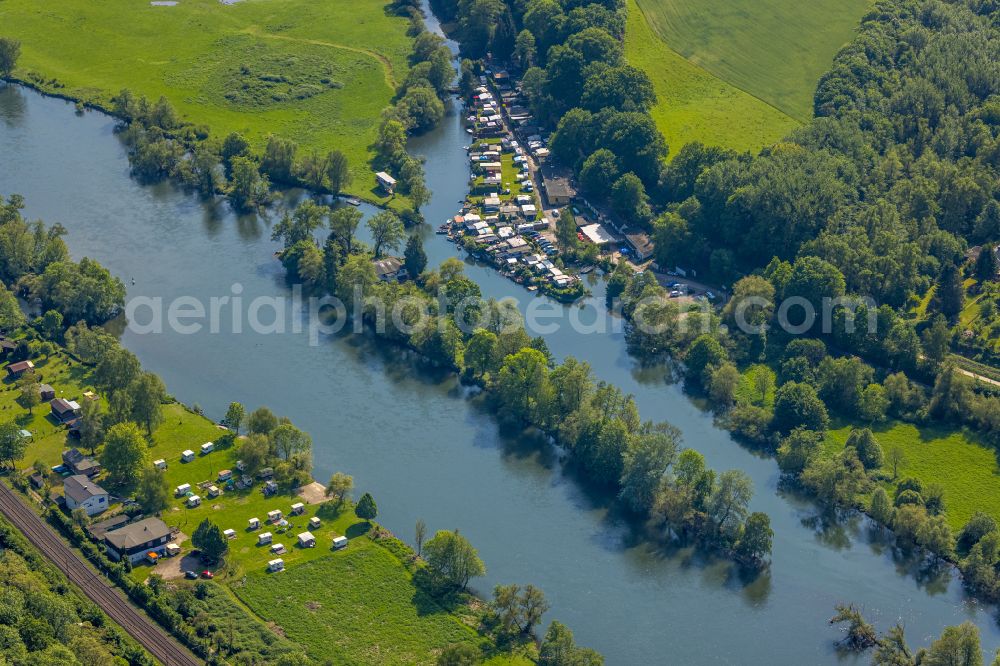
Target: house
x=276 y=565
x=639 y=241
x=81 y=492
x=137 y=540
x=187 y=455
x=37 y=481
x=99 y=529
x=64 y=410
x=307 y=540
x=517 y=245
x=558 y=189
x=78 y=463
x=389 y=269
x=182 y=489
x=339 y=542
x=207 y=448
x=15 y=370
x=46 y=392
x=193 y=501
x=314 y=523
x=263 y=538
x=386 y=182
x=298 y=509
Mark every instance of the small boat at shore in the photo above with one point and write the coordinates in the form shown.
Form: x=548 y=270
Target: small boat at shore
x=354 y=201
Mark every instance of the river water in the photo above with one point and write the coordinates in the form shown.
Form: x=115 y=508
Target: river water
x=425 y=451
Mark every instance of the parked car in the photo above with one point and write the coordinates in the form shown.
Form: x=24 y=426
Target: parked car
x=675 y=293
x=207 y=574
x=710 y=295
x=191 y=574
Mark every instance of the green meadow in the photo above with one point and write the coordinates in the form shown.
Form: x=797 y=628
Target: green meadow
x=318 y=73
x=694 y=104
x=775 y=50
x=956 y=459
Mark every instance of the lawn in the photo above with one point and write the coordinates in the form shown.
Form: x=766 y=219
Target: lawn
x=318 y=73
x=367 y=610
x=964 y=466
x=695 y=105
x=776 y=50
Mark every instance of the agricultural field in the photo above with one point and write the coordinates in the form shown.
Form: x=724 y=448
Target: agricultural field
x=964 y=466
x=695 y=105
x=775 y=50
x=318 y=73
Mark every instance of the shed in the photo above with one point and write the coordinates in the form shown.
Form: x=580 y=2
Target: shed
x=263 y=538
x=160 y=464
x=193 y=501
x=187 y=455
x=298 y=508
x=19 y=368
x=314 y=523
x=339 y=542
x=183 y=489
x=307 y=540
x=207 y=447
x=274 y=516
x=253 y=524
x=46 y=392
x=276 y=565
x=229 y=534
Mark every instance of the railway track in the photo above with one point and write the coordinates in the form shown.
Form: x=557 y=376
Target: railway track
x=138 y=625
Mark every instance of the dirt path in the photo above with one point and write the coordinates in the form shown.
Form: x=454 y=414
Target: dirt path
x=109 y=599
x=387 y=70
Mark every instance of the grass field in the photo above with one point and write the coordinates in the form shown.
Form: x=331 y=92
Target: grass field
x=365 y=611
x=776 y=50
x=695 y=105
x=318 y=73
x=966 y=468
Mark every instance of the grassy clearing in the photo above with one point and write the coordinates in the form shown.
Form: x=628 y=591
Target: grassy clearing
x=776 y=50
x=318 y=73
x=956 y=459
x=757 y=386
x=695 y=105
x=366 y=611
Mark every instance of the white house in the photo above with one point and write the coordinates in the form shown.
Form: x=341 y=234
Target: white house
x=81 y=492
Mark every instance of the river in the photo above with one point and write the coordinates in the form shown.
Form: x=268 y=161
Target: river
x=425 y=451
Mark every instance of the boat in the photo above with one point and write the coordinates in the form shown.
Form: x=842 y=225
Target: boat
x=586 y=269
x=354 y=201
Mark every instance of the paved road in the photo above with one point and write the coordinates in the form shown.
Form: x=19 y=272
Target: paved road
x=140 y=627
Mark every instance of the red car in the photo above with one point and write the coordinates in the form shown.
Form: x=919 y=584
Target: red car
x=207 y=574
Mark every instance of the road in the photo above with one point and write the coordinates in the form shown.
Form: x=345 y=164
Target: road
x=140 y=627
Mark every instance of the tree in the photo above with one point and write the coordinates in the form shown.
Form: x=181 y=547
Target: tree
x=208 y=537
x=12 y=443
x=279 y=159
x=344 y=223
x=339 y=486
x=727 y=506
x=414 y=257
x=254 y=452
x=125 y=453
x=896 y=458
x=387 y=231
x=31 y=393
x=419 y=533
x=338 y=171
x=10 y=51
x=860 y=634
x=262 y=421
x=91 y=425
x=525 y=49
x=629 y=198
x=559 y=649
x=958 y=646
x=288 y=441
x=798 y=449
x=566 y=231
x=754 y=544
x=11 y=315
x=152 y=490
x=868 y=448
x=366 y=508
x=148 y=394
x=249 y=189
x=797 y=405
x=937 y=339
x=987 y=264
x=723 y=383
x=979 y=525
x=949 y=293
x=645 y=463
x=451 y=557
x=880 y=508
x=234 y=416
x=518 y=609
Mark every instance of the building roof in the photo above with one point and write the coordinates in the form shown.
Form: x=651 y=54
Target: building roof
x=62 y=406
x=596 y=234
x=137 y=534
x=387 y=266
x=385 y=178
x=639 y=241
x=557 y=183
x=45 y=388
x=98 y=530
x=80 y=488
x=20 y=366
